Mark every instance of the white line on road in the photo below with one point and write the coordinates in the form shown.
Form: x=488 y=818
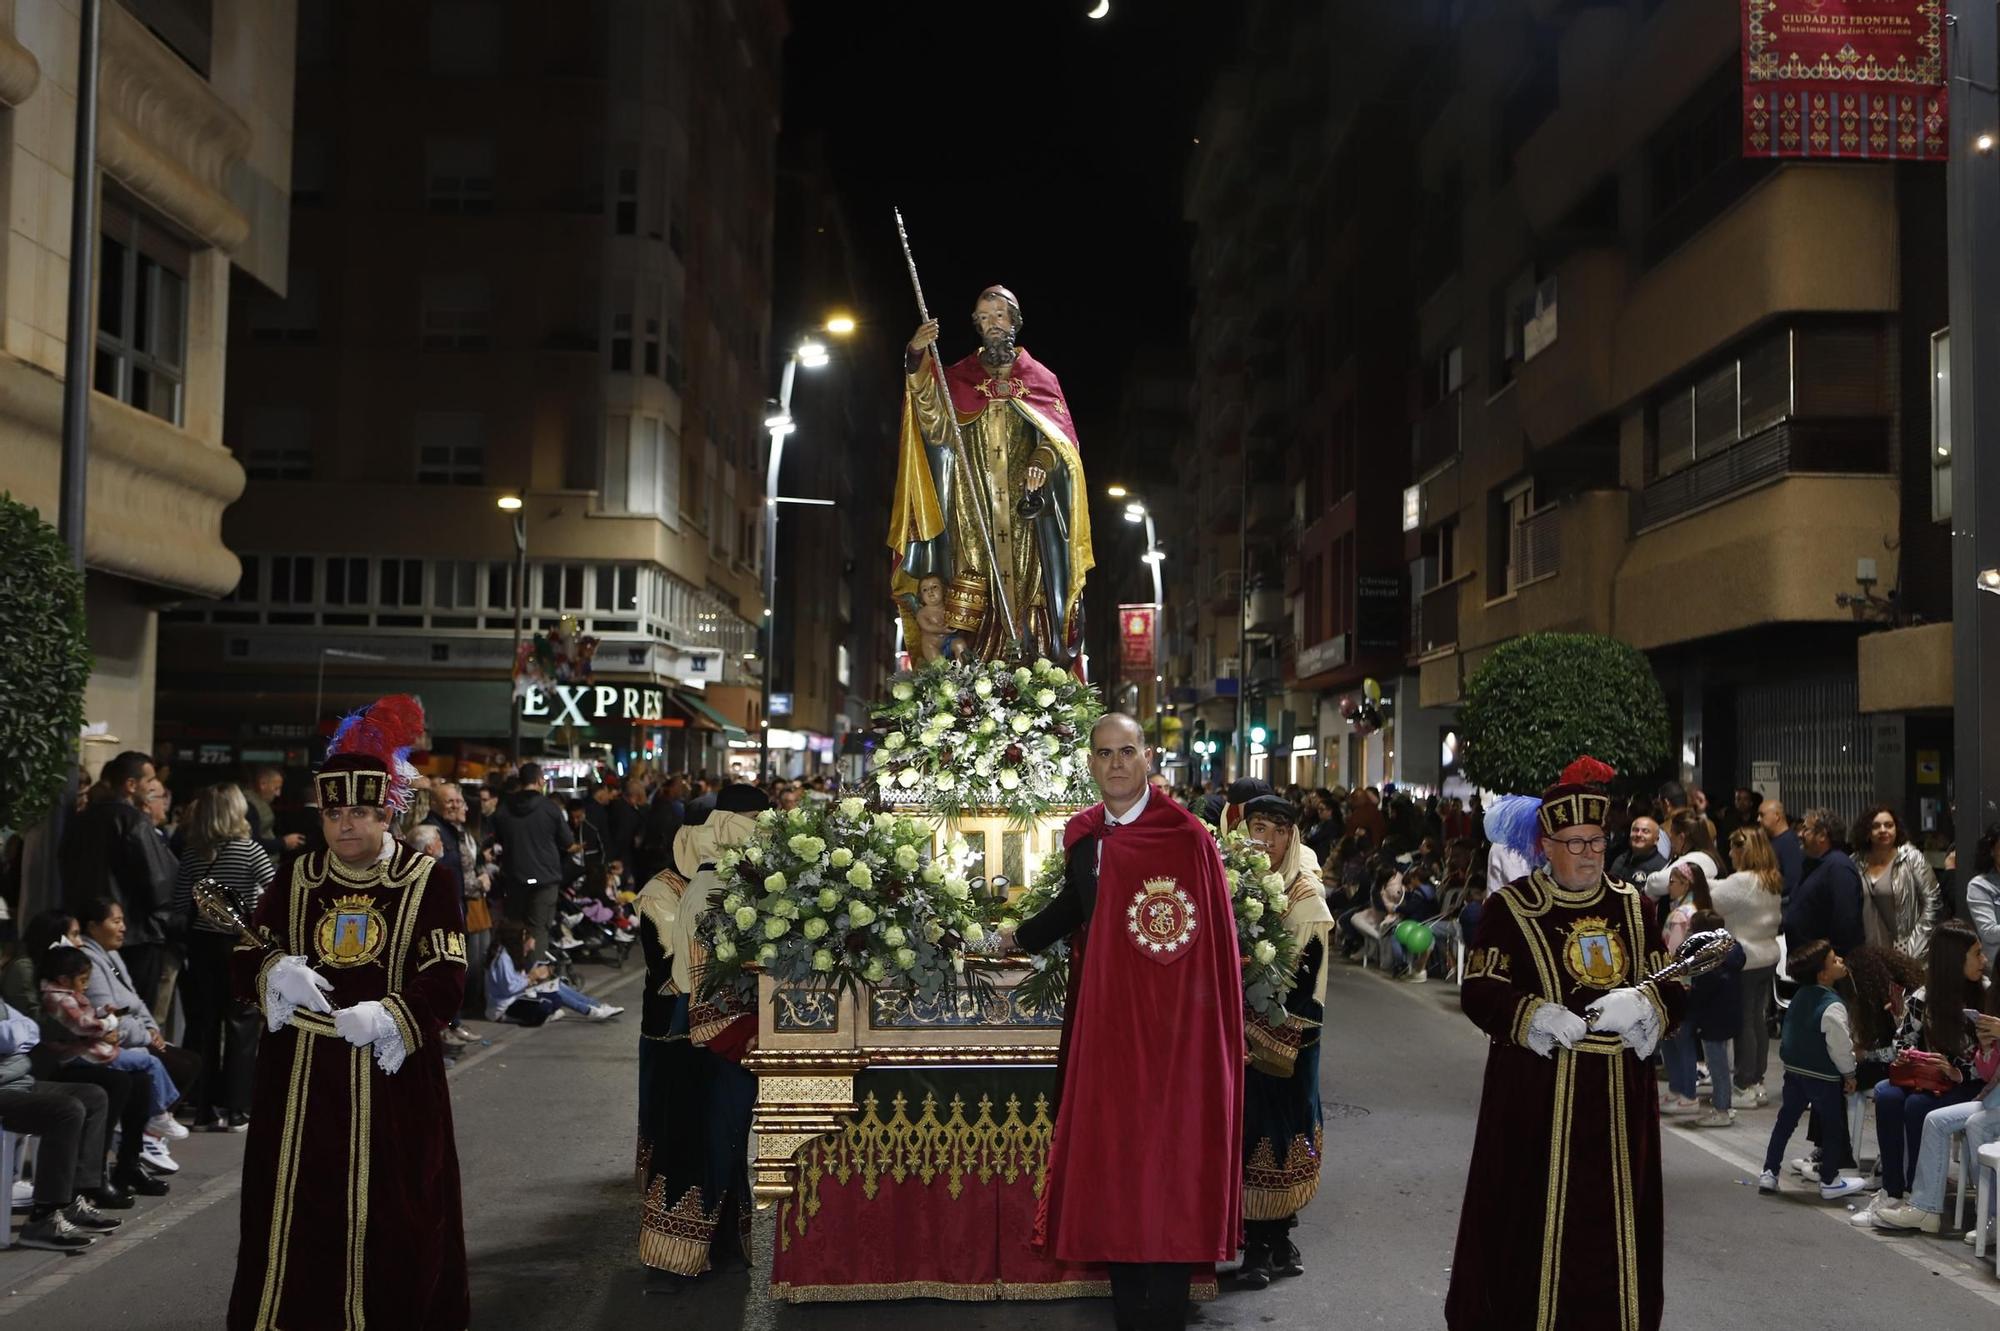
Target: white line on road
x=224 y=1185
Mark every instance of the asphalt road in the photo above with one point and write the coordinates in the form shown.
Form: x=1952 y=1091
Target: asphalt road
x=545 y=1138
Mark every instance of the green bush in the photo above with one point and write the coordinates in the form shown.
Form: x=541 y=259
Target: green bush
x=1538 y=702
x=46 y=652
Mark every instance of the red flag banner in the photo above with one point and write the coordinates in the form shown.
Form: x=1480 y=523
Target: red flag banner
x=1135 y=638
x=1854 y=79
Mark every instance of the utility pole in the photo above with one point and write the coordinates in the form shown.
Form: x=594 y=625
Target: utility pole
x=1972 y=48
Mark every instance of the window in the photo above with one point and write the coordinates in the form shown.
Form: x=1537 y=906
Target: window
x=842 y=671
x=185 y=26
x=616 y=588
x=1507 y=510
x=277 y=444
x=402 y=582
x=455 y=585
x=458 y=312
x=293 y=319
x=291 y=580
x=346 y=581
x=1515 y=307
x=656 y=198
x=141 y=313
x=625 y=201
x=1941 y=425
x=1444 y=375
x=672 y=371
x=459 y=175
x=621 y=334
x=451 y=448
x=1744 y=395
x=651 y=364
x=465 y=37
x=1413 y=507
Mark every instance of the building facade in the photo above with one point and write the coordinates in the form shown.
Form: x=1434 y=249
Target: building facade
x=194 y=167
x=532 y=261
x=1649 y=389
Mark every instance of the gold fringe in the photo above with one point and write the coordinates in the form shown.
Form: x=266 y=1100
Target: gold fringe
x=998 y=1291
x=1274 y=1192
x=676 y=1238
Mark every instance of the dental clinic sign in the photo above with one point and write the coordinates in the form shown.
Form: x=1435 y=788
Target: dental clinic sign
x=589 y=704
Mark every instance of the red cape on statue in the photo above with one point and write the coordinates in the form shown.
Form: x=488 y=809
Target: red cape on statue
x=973 y=386
x=1147 y=1160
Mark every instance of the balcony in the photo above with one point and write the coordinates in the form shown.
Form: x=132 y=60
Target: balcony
x=1538 y=547
x=1266 y=610
x=1795 y=447
x=1225 y=592
x=1436 y=438
x=1567 y=384
x=1436 y=626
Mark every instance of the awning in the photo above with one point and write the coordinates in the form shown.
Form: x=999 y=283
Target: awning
x=703 y=712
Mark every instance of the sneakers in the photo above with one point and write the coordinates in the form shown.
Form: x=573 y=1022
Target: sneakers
x=1844 y=1186
x=167 y=1126
x=623 y=935
x=1864 y=1217
x=238 y=1122
x=602 y=1012
x=1971 y=1236
x=1805 y=1167
x=1675 y=1105
x=1715 y=1118
x=88 y=1218
x=54 y=1233
x=1767 y=1181
x=142 y=1184
x=1752 y=1097
x=1902 y=1215
x=154 y=1155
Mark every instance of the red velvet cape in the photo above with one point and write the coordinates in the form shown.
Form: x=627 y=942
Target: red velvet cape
x=1147 y=1160
x=1033 y=383
x=351 y=1211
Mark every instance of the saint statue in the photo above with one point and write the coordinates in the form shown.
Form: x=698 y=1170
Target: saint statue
x=1003 y=525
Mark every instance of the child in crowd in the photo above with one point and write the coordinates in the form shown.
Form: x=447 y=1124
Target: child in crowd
x=1817 y=1050
x=65 y=974
x=530 y=995
x=1715 y=1012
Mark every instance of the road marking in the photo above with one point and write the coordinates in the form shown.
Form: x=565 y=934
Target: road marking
x=152 y=1225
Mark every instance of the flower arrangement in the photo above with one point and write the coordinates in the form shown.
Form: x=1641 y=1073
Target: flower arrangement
x=965 y=736
x=1269 y=952
x=833 y=896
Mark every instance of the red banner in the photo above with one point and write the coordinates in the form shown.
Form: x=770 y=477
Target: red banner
x=1844 y=78
x=1135 y=638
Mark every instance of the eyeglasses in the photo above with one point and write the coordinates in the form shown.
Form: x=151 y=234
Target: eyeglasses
x=1578 y=845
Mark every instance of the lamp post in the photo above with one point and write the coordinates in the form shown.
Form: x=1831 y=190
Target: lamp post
x=1136 y=511
x=513 y=504
x=813 y=355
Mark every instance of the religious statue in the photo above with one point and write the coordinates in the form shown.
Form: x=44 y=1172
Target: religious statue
x=990 y=499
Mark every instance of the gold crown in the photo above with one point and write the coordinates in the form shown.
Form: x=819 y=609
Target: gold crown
x=1154 y=886
x=359 y=901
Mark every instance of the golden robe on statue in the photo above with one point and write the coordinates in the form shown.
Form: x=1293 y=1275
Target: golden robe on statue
x=1009 y=425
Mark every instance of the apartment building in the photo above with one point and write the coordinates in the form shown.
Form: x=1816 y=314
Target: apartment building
x=1648 y=388
x=194 y=168
x=532 y=260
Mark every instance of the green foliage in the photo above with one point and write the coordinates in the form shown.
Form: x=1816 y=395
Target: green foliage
x=46 y=652
x=1540 y=701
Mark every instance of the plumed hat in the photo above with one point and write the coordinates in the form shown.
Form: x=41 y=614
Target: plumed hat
x=1577 y=798
x=368 y=758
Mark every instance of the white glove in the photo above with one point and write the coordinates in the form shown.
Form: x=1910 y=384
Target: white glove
x=367 y=1024
x=1631 y=1016
x=1552 y=1025
x=292 y=984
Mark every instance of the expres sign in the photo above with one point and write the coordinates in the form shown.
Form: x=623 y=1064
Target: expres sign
x=586 y=704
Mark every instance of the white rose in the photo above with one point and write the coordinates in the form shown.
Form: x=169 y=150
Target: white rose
x=1253 y=908
x=754 y=854
x=987 y=725
x=902 y=692
x=885 y=822
x=1024 y=677
x=957 y=889
x=894 y=936
x=841 y=857
x=767 y=818
x=874 y=973
x=1270 y=882
x=906 y=858
x=1009 y=779
x=775 y=928
x=1265 y=952
x=884 y=777
x=1022 y=723
x=852 y=807
x=908 y=777
x=1045 y=697
x=858 y=876
x=945 y=781
x=934 y=872
x=973 y=932
x=906 y=957
x=745 y=917
x=860 y=914
x=731 y=902
x=775 y=883
x=983 y=687
x=822 y=960
x=815 y=929
x=933 y=932
x=1043 y=663
x=725 y=950
x=930 y=739
x=893 y=740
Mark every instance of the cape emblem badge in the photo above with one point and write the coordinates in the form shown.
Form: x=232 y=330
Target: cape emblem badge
x=1595 y=955
x=351 y=932
x=1161 y=919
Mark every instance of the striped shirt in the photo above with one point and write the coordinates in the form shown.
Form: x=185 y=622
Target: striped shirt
x=243 y=868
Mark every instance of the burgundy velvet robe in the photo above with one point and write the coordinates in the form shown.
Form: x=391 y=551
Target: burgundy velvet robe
x=1561 y=1227
x=351 y=1212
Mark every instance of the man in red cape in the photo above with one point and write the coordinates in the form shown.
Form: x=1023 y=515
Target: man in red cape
x=1020 y=447
x=356 y=955
x=1561 y=1226
x=1145 y=1169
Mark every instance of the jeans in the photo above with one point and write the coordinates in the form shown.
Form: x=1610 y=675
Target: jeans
x=1718 y=1071
x=145 y=1060
x=1899 y=1126
x=1753 y=1041
x=70 y=1120
x=1980 y=1126
x=1829 y=1110
x=1678 y=1051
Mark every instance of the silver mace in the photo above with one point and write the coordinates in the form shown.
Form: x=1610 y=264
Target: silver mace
x=1697 y=955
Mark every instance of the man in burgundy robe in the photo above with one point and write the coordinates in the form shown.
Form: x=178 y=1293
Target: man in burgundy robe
x=356 y=955
x=1561 y=1227
x=1145 y=1168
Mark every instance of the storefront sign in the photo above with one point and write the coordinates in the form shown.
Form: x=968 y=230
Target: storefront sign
x=781 y=704
x=1135 y=638
x=1381 y=614
x=1321 y=656
x=1844 y=78
x=587 y=704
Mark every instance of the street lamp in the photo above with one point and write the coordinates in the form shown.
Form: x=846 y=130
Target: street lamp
x=1136 y=511
x=513 y=504
x=812 y=354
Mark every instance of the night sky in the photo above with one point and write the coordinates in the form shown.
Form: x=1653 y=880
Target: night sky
x=1027 y=145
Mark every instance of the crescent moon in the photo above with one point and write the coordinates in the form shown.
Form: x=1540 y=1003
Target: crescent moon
x=1103 y=8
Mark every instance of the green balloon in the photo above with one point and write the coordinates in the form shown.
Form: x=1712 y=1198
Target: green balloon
x=1415 y=936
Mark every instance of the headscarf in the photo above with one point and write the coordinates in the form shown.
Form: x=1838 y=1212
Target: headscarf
x=1306 y=913
x=695 y=849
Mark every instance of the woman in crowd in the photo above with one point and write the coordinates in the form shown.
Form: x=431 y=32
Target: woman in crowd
x=1901 y=903
x=531 y=994
x=1978 y=1119
x=1954 y=983
x=1982 y=898
x=1281 y=1118
x=221 y=1031
x=1751 y=904
x=127 y=1093
x=1687 y=888
x=1686 y=837
x=1347 y=876
x=1715 y=1012
x=103 y=923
